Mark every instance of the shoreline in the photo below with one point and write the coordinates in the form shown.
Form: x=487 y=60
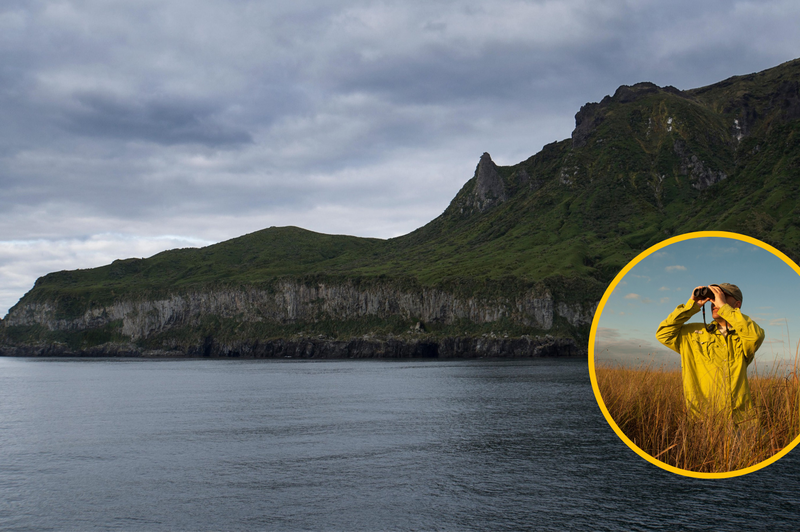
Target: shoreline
x=448 y=348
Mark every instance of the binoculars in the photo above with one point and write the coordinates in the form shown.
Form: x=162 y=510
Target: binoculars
x=704 y=292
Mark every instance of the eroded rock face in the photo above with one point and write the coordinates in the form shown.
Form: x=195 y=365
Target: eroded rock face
x=586 y=121
x=489 y=187
x=577 y=315
x=752 y=111
x=523 y=180
x=591 y=115
x=787 y=99
x=699 y=173
x=747 y=115
x=297 y=302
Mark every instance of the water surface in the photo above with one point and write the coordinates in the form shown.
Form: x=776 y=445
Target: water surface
x=342 y=445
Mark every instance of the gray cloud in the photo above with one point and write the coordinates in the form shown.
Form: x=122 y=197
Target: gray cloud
x=612 y=348
x=161 y=122
x=208 y=119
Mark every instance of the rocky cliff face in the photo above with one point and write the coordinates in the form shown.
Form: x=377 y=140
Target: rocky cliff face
x=292 y=301
x=700 y=174
x=490 y=190
x=592 y=114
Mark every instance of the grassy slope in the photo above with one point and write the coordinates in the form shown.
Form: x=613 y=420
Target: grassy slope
x=252 y=259
x=626 y=189
x=763 y=199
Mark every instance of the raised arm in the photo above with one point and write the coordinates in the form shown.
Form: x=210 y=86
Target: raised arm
x=728 y=308
x=669 y=331
x=749 y=332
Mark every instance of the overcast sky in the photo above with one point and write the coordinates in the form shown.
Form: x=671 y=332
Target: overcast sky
x=653 y=288
x=127 y=128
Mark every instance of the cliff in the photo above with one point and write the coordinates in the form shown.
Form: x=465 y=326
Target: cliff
x=295 y=302
x=245 y=318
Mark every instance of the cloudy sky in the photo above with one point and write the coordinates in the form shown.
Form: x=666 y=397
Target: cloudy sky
x=652 y=289
x=127 y=128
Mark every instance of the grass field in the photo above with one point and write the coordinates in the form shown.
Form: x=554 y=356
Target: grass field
x=648 y=406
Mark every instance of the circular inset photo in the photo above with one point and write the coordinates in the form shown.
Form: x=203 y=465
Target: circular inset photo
x=694 y=354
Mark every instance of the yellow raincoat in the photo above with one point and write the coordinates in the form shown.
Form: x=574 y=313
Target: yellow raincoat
x=714 y=364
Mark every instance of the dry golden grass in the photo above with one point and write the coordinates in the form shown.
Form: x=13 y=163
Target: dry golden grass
x=648 y=406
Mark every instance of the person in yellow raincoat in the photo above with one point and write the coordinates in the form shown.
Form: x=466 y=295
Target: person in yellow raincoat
x=714 y=358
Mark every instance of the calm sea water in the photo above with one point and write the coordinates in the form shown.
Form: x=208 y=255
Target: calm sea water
x=342 y=445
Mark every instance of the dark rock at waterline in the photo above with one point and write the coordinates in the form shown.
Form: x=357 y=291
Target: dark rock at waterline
x=316 y=348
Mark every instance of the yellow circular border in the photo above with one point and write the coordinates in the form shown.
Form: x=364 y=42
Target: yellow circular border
x=593 y=333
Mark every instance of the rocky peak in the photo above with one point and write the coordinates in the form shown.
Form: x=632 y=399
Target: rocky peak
x=586 y=121
x=631 y=93
x=592 y=114
x=489 y=189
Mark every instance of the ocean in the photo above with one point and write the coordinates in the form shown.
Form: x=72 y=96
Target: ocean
x=136 y=444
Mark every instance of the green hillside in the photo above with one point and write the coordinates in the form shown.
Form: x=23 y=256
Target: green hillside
x=257 y=258
x=642 y=165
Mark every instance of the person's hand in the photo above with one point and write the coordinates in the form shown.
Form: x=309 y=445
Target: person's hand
x=697 y=300
x=719 y=298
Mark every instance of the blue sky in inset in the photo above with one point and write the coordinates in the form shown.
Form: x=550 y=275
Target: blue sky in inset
x=665 y=279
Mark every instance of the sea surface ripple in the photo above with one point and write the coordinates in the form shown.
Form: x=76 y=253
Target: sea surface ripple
x=131 y=444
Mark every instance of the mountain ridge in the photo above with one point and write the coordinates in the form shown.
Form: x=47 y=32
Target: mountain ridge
x=642 y=165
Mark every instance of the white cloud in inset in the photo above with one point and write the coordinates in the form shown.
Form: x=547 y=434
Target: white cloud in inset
x=676 y=268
